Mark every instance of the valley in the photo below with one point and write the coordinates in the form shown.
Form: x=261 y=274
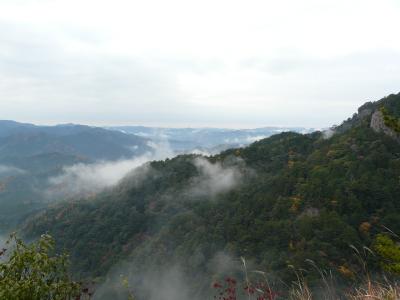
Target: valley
x=283 y=201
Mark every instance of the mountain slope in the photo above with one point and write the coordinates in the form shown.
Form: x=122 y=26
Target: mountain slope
x=22 y=140
x=278 y=202
x=23 y=181
x=31 y=155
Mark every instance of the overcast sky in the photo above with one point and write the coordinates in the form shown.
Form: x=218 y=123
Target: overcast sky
x=220 y=63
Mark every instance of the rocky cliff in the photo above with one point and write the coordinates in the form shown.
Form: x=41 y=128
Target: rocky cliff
x=378 y=125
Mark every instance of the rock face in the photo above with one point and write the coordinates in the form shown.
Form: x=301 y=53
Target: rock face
x=378 y=125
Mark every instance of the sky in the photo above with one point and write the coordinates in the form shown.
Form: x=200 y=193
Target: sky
x=185 y=63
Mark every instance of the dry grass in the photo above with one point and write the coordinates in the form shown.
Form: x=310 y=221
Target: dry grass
x=369 y=291
x=360 y=285
x=300 y=291
x=376 y=290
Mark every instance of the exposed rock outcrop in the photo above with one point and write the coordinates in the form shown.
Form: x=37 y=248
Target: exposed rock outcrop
x=378 y=125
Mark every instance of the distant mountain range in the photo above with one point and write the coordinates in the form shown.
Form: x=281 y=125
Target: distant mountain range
x=211 y=140
x=31 y=156
x=93 y=143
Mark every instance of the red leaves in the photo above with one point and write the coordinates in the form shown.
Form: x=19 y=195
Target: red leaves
x=263 y=290
x=228 y=290
x=217 y=285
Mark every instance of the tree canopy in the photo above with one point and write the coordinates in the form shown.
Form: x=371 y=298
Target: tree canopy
x=34 y=272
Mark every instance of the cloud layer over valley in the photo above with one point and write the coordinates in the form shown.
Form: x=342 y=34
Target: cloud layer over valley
x=86 y=179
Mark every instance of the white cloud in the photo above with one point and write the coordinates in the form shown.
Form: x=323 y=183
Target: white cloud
x=10 y=170
x=86 y=179
x=328 y=133
x=213 y=179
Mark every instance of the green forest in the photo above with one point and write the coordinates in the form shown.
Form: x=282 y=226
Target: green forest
x=287 y=203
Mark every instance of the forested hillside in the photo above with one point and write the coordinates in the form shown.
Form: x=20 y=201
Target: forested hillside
x=30 y=156
x=93 y=143
x=277 y=202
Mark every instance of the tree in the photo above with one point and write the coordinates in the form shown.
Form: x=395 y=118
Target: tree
x=389 y=251
x=34 y=272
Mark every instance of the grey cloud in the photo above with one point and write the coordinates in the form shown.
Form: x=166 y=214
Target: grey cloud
x=36 y=69
x=292 y=61
x=42 y=79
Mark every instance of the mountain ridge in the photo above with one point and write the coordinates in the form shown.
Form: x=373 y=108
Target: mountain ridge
x=289 y=198
x=91 y=142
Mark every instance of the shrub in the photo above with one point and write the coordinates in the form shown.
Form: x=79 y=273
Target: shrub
x=34 y=272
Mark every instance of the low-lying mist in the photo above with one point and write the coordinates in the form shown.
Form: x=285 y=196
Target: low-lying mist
x=214 y=178
x=180 y=278
x=7 y=170
x=170 y=281
x=328 y=133
x=85 y=179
